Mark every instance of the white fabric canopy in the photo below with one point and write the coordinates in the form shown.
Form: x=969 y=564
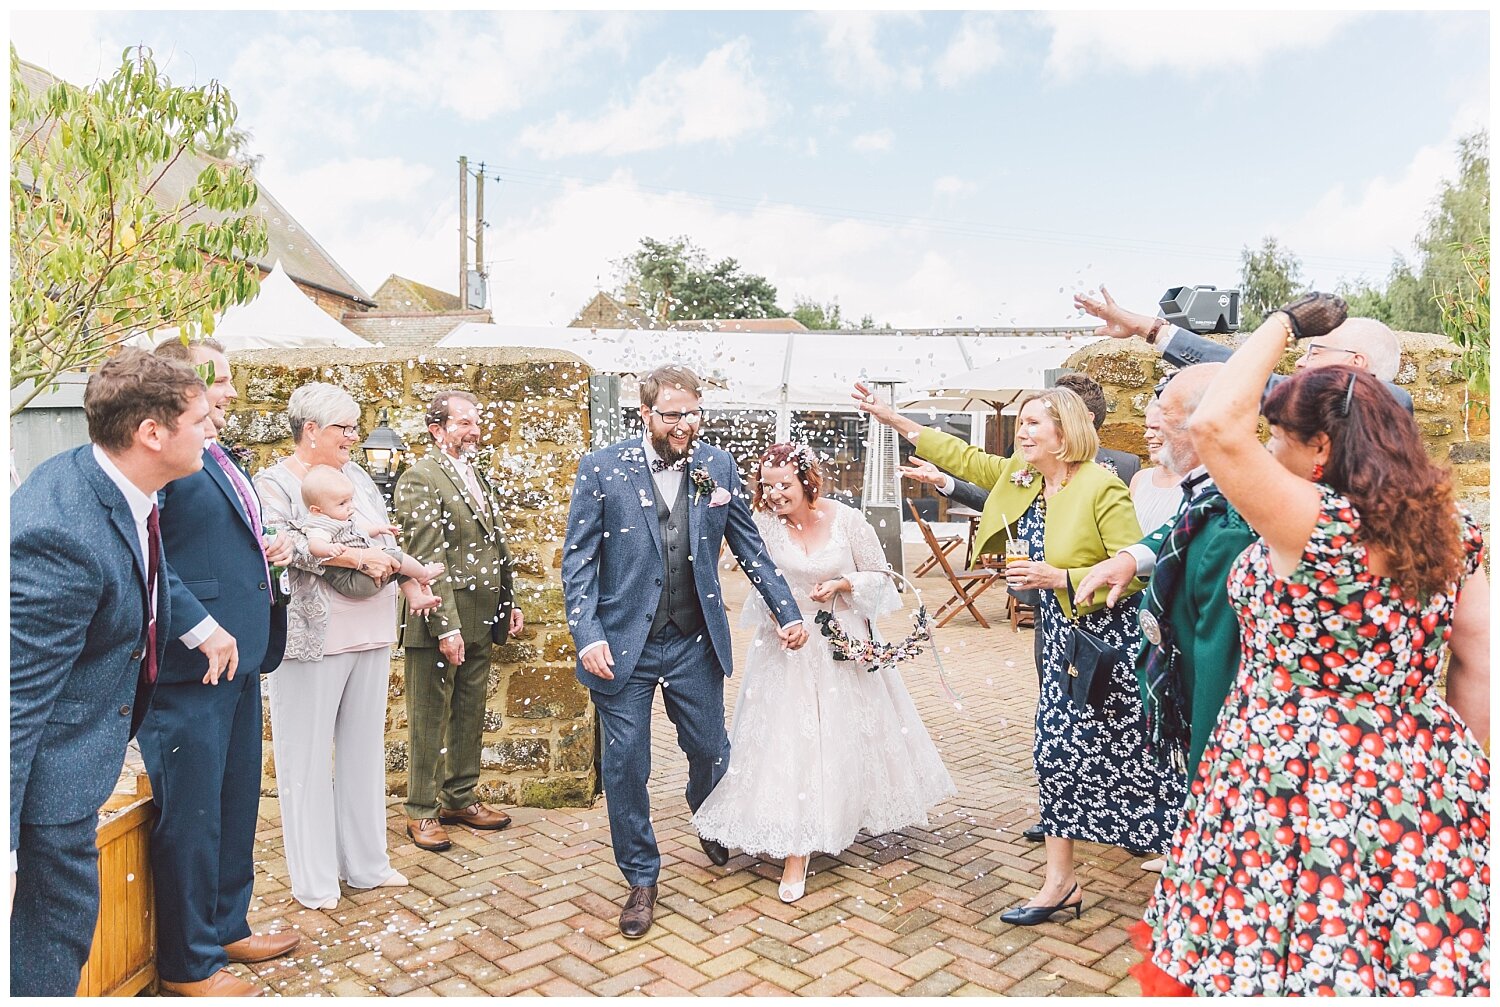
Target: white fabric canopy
x=1000 y=382
x=783 y=370
x=281 y=317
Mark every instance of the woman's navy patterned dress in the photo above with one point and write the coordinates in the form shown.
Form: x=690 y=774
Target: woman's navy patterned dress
x=1097 y=783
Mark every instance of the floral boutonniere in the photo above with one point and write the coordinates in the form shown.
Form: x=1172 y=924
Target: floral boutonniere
x=1109 y=466
x=1025 y=477
x=241 y=454
x=702 y=483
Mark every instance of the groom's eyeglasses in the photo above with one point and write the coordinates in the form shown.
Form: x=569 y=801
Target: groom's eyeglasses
x=674 y=417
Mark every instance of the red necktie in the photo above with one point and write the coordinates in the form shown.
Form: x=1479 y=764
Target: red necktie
x=153 y=567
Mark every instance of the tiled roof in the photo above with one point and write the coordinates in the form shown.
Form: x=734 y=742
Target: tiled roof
x=299 y=253
x=400 y=295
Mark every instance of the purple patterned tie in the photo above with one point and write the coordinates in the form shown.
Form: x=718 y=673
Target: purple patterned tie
x=247 y=498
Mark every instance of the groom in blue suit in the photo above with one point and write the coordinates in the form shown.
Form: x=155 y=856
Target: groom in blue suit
x=89 y=588
x=641 y=579
x=201 y=739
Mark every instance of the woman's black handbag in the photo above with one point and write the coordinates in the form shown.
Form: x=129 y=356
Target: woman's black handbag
x=1090 y=661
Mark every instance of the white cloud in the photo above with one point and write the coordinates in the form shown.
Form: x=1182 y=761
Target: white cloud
x=78 y=46
x=880 y=139
x=357 y=181
x=952 y=187
x=1189 y=42
x=1379 y=217
x=854 y=56
x=719 y=99
x=974 y=48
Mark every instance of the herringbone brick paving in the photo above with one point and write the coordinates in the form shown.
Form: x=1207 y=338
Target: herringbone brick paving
x=532 y=910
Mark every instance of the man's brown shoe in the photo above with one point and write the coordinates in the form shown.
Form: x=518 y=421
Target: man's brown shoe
x=222 y=983
x=262 y=947
x=428 y=834
x=640 y=907
x=475 y=816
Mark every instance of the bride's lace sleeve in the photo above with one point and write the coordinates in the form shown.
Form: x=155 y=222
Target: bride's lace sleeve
x=873 y=591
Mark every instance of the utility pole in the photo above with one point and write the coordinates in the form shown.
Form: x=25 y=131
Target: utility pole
x=479 y=220
x=463 y=231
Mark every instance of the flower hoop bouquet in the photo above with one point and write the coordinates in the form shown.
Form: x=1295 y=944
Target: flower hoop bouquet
x=878 y=655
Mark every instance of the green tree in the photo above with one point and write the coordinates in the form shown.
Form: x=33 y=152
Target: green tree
x=1465 y=309
x=1270 y=276
x=678 y=283
x=819 y=316
x=1365 y=300
x=96 y=254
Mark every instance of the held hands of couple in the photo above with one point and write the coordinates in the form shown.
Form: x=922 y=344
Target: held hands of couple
x=1115 y=572
x=792 y=637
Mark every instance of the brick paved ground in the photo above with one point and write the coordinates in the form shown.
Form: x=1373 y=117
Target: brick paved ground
x=532 y=910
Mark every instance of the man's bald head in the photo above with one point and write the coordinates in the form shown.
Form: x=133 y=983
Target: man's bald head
x=1359 y=342
x=1178 y=401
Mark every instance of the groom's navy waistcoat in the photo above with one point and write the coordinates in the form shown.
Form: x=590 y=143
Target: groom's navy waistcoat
x=679 y=595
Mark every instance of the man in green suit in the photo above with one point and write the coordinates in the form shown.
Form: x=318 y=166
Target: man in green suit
x=1200 y=620
x=450 y=514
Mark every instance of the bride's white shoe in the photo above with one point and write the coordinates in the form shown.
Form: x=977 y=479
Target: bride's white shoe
x=792 y=891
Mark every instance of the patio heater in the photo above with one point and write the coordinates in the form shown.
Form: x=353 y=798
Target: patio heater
x=881 y=496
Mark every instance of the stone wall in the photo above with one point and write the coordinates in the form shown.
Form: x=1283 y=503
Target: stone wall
x=539 y=724
x=1455 y=428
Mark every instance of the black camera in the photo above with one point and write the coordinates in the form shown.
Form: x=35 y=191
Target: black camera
x=1202 y=309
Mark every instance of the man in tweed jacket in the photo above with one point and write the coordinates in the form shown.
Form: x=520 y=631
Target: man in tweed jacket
x=450 y=514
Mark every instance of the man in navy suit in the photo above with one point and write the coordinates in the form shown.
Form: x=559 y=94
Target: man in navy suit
x=641 y=580
x=88 y=590
x=201 y=739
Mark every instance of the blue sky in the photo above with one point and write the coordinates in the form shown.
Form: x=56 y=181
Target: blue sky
x=929 y=169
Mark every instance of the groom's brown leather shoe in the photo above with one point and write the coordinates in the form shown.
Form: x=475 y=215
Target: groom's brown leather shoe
x=640 y=908
x=475 y=816
x=262 y=947
x=428 y=834
x=222 y=983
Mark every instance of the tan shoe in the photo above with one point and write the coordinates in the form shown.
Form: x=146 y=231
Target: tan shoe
x=222 y=983
x=428 y=834
x=475 y=816
x=262 y=947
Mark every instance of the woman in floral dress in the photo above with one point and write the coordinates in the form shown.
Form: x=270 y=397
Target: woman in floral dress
x=1336 y=837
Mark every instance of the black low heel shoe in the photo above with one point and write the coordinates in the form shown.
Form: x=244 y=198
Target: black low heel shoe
x=1030 y=916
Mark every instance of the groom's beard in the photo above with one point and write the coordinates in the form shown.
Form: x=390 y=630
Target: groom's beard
x=667 y=453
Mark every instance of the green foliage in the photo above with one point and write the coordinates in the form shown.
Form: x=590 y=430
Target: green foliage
x=828 y=316
x=1270 y=276
x=1465 y=309
x=96 y=254
x=678 y=283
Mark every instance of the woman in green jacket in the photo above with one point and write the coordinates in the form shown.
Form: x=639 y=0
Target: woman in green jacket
x=1095 y=779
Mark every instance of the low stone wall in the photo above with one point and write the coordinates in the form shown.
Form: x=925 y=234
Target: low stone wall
x=1455 y=428
x=539 y=738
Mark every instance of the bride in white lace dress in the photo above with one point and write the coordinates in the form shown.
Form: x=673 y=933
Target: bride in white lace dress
x=820 y=749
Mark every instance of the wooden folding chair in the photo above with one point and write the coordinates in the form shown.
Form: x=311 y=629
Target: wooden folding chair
x=967 y=584
x=947 y=542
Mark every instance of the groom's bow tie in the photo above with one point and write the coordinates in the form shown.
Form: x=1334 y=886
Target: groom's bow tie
x=658 y=465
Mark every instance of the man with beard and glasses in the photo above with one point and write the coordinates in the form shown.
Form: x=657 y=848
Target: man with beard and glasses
x=450 y=514
x=641 y=579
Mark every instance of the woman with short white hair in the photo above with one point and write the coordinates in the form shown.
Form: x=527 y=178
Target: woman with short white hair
x=329 y=695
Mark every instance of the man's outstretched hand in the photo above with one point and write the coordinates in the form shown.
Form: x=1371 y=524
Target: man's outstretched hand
x=1118 y=323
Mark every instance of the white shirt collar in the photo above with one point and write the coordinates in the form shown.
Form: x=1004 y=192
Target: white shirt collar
x=140 y=503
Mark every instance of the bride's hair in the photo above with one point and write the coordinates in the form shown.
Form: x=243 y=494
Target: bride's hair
x=799 y=456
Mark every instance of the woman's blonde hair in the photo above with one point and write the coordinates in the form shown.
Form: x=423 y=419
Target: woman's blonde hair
x=1080 y=441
